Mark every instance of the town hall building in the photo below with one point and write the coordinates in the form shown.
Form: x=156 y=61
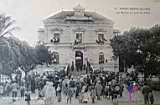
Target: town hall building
x=79 y=36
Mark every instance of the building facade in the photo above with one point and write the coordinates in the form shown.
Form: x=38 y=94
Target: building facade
x=79 y=36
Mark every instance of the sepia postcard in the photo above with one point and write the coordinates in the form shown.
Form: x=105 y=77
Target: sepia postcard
x=75 y=52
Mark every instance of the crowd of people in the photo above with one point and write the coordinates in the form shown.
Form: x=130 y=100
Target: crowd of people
x=92 y=87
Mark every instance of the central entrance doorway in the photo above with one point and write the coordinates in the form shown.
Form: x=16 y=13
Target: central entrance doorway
x=79 y=60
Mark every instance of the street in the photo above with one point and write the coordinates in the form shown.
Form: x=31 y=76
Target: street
x=35 y=101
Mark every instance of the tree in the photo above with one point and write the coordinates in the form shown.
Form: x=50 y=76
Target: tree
x=6 y=25
x=15 y=53
x=139 y=47
x=43 y=55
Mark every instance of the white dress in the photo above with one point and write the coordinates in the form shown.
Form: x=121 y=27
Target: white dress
x=86 y=97
x=49 y=93
x=1 y=89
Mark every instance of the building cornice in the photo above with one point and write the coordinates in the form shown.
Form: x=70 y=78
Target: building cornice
x=83 y=46
x=79 y=29
x=80 y=25
x=57 y=29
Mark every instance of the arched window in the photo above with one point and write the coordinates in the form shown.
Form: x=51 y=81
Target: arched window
x=101 y=58
x=55 y=58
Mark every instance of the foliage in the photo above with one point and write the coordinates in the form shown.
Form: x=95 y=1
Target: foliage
x=15 y=53
x=139 y=47
x=43 y=55
x=6 y=25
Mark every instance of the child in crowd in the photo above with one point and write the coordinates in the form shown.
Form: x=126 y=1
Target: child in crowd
x=114 y=99
x=27 y=97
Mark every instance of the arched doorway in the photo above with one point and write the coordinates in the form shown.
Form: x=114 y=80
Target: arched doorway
x=79 y=60
x=55 y=57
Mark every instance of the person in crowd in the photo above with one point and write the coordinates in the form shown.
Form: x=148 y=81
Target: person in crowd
x=98 y=88
x=27 y=97
x=106 y=91
x=84 y=67
x=88 y=80
x=81 y=95
x=64 y=85
x=145 y=92
x=85 y=96
x=33 y=84
x=72 y=66
x=41 y=84
x=72 y=85
x=48 y=91
x=22 y=90
x=84 y=89
x=121 y=89
x=28 y=81
x=114 y=99
x=93 y=94
x=65 y=89
x=88 y=68
x=69 y=94
x=1 y=89
x=130 y=92
x=151 y=97
x=14 y=90
x=110 y=90
x=68 y=70
x=59 y=93
x=135 y=91
x=78 y=88
x=7 y=88
x=114 y=95
x=56 y=82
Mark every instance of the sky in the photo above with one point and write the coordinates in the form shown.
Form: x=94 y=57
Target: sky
x=29 y=14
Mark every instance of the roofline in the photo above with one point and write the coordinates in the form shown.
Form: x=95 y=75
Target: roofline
x=53 y=14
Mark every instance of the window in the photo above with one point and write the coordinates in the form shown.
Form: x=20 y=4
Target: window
x=101 y=58
x=101 y=39
x=78 y=39
x=56 y=38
